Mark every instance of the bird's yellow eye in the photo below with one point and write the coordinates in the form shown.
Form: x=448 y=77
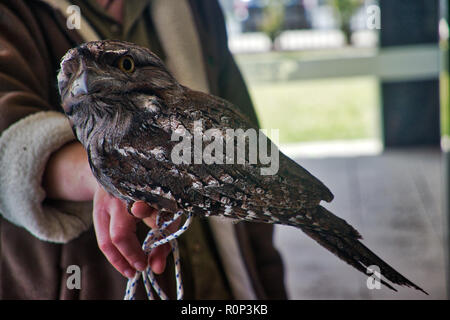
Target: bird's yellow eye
x=126 y=64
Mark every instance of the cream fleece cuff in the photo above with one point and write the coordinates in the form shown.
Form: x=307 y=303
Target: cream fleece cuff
x=25 y=148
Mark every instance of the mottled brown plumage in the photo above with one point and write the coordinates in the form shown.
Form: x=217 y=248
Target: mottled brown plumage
x=124 y=106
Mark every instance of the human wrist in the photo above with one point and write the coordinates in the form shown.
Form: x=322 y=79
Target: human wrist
x=68 y=176
x=87 y=179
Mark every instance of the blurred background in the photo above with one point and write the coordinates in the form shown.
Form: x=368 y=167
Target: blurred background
x=359 y=92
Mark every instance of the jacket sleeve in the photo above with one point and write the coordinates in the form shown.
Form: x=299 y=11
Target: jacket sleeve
x=30 y=132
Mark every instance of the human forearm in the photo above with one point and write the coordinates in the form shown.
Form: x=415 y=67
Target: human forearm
x=68 y=176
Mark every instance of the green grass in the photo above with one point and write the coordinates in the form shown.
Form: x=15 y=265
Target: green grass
x=329 y=109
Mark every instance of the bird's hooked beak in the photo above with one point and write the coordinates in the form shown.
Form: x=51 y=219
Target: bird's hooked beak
x=72 y=80
x=79 y=85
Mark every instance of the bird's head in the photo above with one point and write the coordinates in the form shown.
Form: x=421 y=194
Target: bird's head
x=97 y=74
x=104 y=84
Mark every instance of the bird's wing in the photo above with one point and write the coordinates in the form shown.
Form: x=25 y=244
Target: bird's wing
x=214 y=188
x=299 y=183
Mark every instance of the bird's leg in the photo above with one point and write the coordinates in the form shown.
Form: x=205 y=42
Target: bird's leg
x=163 y=216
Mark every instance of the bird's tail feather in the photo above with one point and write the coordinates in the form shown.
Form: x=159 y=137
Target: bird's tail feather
x=352 y=251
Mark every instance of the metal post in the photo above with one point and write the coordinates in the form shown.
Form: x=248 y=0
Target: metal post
x=445 y=142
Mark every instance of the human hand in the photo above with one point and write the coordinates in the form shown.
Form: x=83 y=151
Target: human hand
x=116 y=234
x=69 y=177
